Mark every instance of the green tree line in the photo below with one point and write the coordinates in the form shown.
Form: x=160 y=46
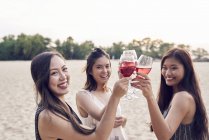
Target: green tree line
x=25 y=47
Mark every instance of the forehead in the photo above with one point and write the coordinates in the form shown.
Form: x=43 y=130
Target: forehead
x=102 y=60
x=56 y=62
x=171 y=61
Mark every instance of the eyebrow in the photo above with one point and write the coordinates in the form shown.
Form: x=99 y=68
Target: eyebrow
x=57 y=68
x=102 y=64
x=171 y=65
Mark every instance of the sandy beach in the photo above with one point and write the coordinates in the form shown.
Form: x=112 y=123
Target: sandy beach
x=18 y=99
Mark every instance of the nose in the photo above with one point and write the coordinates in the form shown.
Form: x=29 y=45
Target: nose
x=62 y=76
x=105 y=70
x=168 y=72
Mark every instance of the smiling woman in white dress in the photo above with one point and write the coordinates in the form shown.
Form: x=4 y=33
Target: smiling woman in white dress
x=92 y=100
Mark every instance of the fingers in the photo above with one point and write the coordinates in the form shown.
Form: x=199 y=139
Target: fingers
x=118 y=121
x=139 y=81
x=142 y=75
x=121 y=87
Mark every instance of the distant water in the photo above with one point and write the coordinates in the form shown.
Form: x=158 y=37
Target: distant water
x=18 y=98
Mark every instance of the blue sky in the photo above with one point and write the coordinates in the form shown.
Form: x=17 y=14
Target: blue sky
x=108 y=21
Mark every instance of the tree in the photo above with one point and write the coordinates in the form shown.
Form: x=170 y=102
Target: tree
x=186 y=47
x=67 y=48
x=117 y=50
x=81 y=51
x=199 y=53
x=7 y=48
x=135 y=45
x=164 y=47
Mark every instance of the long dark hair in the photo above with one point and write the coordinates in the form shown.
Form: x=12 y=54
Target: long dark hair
x=190 y=84
x=40 y=73
x=91 y=84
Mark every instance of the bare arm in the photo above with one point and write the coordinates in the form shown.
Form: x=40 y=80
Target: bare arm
x=52 y=126
x=165 y=128
x=86 y=106
x=181 y=105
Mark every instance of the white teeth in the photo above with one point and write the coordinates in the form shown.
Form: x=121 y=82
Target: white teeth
x=63 y=85
x=169 y=78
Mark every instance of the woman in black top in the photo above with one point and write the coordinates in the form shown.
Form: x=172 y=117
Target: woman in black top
x=179 y=112
x=55 y=119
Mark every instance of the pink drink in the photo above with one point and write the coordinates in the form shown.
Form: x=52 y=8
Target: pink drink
x=143 y=70
x=127 y=68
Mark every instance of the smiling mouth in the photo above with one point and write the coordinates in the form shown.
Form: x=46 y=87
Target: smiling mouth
x=63 y=85
x=104 y=77
x=169 y=79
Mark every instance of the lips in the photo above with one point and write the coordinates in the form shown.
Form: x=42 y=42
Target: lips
x=169 y=79
x=105 y=77
x=63 y=85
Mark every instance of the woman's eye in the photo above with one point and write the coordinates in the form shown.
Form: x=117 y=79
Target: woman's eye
x=108 y=67
x=164 y=68
x=54 y=73
x=65 y=69
x=174 y=68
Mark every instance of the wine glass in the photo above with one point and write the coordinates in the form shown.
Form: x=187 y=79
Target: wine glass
x=144 y=64
x=130 y=52
x=132 y=90
x=127 y=66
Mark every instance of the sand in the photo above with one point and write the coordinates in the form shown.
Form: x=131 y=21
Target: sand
x=18 y=106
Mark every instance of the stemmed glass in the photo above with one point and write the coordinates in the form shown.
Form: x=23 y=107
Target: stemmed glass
x=132 y=90
x=144 y=64
x=127 y=66
x=130 y=52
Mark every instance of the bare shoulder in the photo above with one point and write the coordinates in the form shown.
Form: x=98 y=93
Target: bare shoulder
x=81 y=92
x=46 y=123
x=55 y=126
x=45 y=115
x=46 y=118
x=82 y=95
x=183 y=95
x=183 y=99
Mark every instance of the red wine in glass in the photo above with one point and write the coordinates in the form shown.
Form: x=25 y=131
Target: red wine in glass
x=127 y=68
x=143 y=70
x=144 y=64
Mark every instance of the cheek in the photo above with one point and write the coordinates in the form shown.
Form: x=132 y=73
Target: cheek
x=68 y=78
x=163 y=73
x=95 y=72
x=109 y=71
x=181 y=76
x=52 y=82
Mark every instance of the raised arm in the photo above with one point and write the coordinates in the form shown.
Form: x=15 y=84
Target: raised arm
x=87 y=107
x=182 y=110
x=56 y=127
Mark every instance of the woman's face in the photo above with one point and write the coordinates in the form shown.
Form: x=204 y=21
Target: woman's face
x=101 y=70
x=172 y=71
x=59 y=77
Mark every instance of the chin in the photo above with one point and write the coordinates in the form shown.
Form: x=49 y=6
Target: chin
x=65 y=91
x=169 y=84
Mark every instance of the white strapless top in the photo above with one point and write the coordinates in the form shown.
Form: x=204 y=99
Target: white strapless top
x=117 y=133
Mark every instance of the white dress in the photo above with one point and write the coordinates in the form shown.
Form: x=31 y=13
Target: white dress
x=117 y=133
